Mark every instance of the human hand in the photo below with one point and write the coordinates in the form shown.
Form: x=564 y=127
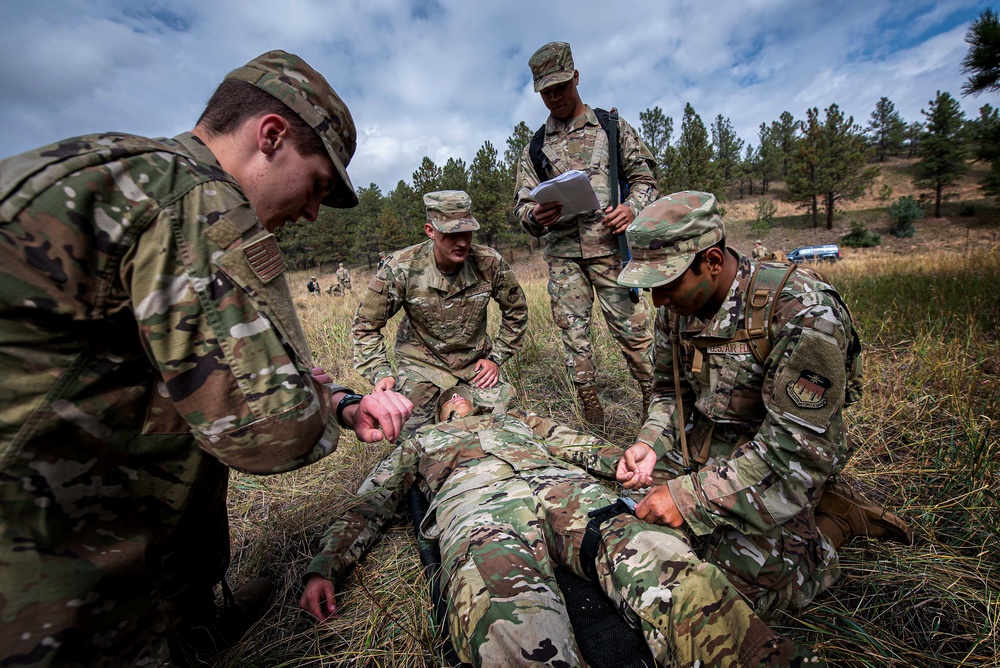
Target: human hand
x=658 y=507
x=635 y=468
x=387 y=383
x=321 y=376
x=548 y=213
x=618 y=219
x=318 y=598
x=488 y=373
x=379 y=415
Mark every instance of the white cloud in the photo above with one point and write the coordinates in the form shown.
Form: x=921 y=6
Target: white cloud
x=438 y=78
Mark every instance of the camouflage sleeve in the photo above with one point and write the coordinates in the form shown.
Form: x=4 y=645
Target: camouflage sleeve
x=226 y=368
x=523 y=203
x=508 y=294
x=383 y=298
x=362 y=521
x=589 y=452
x=800 y=443
x=658 y=431
x=637 y=165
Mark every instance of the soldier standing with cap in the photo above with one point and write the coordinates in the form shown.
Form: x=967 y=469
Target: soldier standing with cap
x=759 y=251
x=750 y=474
x=582 y=250
x=444 y=285
x=344 y=277
x=149 y=343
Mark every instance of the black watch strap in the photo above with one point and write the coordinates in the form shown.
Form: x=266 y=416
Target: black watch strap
x=348 y=399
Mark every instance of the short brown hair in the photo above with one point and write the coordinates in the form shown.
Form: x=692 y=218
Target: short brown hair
x=235 y=102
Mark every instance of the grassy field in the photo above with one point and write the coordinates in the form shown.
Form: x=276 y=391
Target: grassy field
x=927 y=441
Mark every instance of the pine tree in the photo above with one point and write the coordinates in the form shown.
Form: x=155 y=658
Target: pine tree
x=886 y=128
x=656 y=130
x=982 y=63
x=455 y=175
x=697 y=171
x=746 y=172
x=728 y=149
x=846 y=174
x=782 y=135
x=487 y=181
x=364 y=238
x=942 y=153
x=769 y=158
x=804 y=177
x=516 y=143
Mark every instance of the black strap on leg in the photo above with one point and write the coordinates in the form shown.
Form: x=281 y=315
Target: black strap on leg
x=592 y=537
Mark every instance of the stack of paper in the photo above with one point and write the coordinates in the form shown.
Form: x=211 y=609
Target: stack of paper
x=572 y=188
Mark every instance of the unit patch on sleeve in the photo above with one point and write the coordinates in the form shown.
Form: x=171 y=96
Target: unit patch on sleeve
x=808 y=390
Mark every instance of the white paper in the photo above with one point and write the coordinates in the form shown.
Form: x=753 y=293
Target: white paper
x=572 y=188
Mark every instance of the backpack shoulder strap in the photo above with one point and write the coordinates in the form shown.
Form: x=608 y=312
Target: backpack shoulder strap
x=766 y=284
x=538 y=159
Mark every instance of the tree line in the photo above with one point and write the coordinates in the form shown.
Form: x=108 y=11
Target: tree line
x=823 y=159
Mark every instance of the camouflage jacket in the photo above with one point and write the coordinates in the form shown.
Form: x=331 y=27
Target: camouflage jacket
x=343 y=275
x=582 y=144
x=444 y=331
x=791 y=407
x=450 y=459
x=146 y=331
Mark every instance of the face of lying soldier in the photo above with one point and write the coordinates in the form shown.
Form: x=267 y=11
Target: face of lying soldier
x=456 y=406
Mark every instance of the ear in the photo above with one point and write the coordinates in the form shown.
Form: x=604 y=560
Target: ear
x=272 y=131
x=715 y=260
x=429 y=229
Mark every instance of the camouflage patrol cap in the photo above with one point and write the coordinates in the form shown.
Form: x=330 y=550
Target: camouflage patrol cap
x=552 y=64
x=305 y=91
x=450 y=211
x=446 y=396
x=666 y=235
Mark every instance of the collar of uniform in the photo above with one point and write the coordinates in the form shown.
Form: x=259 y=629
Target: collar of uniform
x=553 y=125
x=438 y=281
x=197 y=149
x=726 y=322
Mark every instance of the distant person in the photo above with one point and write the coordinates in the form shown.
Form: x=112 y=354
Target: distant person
x=444 y=285
x=381 y=260
x=344 y=277
x=752 y=471
x=759 y=251
x=313 y=286
x=149 y=343
x=582 y=250
x=508 y=505
x=335 y=290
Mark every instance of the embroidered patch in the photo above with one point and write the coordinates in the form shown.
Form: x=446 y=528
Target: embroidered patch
x=265 y=258
x=731 y=348
x=478 y=290
x=808 y=390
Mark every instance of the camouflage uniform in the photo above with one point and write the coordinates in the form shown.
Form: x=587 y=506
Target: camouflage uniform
x=344 y=277
x=148 y=343
x=509 y=504
x=773 y=433
x=444 y=331
x=759 y=251
x=582 y=254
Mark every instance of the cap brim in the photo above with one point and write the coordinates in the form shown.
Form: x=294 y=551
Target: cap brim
x=469 y=224
x=342 y=196
x=653 y=274
x=552 y=80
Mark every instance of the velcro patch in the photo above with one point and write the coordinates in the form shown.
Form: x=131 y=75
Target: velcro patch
x=478 y=290
x=809 y=390
x=376 y=285
x=731 y=348
x=264 y=257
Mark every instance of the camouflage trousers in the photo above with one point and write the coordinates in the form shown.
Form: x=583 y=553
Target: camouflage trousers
x=500 y=544
x=786 y=567
x=424 y=395
x=572 y=284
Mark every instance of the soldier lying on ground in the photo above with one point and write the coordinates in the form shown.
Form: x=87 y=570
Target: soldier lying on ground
x=508 y=505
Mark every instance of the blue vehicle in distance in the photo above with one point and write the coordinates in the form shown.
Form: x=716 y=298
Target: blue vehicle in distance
x=823 y=252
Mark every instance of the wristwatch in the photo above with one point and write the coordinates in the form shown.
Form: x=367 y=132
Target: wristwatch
x=348 y=399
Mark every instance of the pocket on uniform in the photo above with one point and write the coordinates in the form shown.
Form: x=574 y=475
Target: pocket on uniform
x=560 y=315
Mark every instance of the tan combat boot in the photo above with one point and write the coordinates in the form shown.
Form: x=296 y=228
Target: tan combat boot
x=843 y=513
x=593 y=412
x=647 y=396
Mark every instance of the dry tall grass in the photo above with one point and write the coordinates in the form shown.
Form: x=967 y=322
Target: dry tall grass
x=926 y=444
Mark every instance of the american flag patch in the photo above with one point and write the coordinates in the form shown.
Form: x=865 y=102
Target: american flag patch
x=265 y=258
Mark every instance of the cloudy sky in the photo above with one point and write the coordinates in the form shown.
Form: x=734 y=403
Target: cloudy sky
x=438 y=78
